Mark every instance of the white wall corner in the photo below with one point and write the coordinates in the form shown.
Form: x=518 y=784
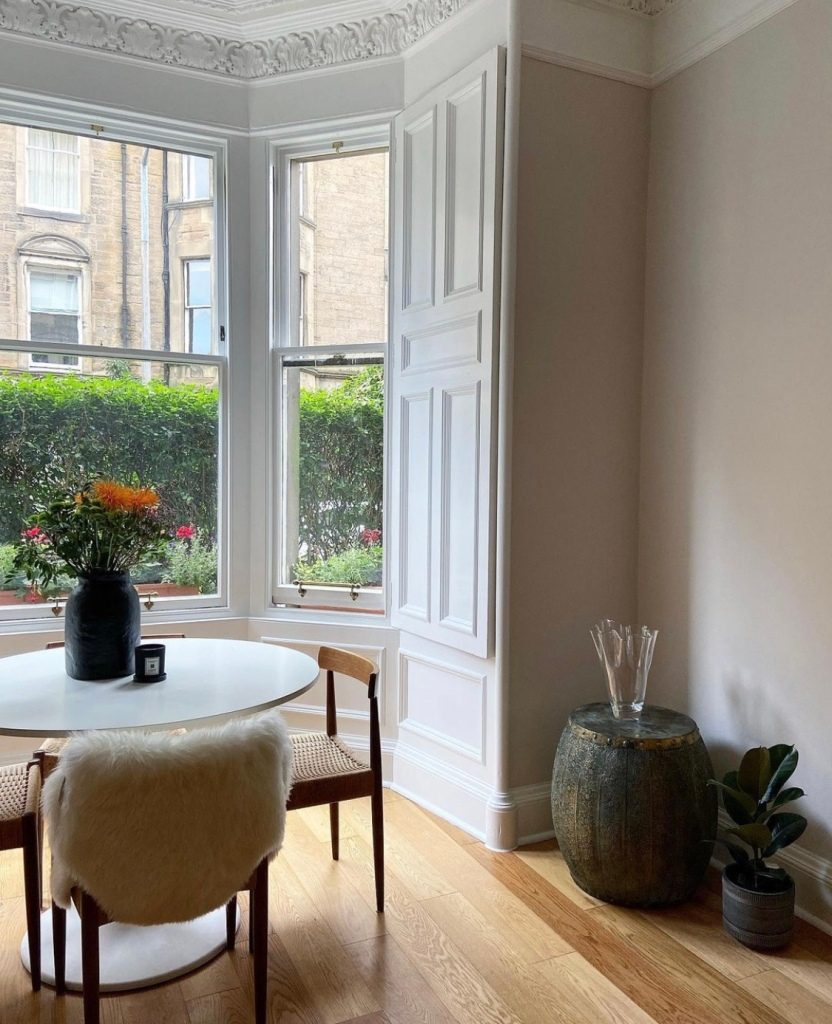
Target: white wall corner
x=534 y=813
x=501 y=822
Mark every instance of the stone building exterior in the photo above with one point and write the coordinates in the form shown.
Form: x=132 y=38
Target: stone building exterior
x=343 y=249
x=99 y=240
x=85 y=225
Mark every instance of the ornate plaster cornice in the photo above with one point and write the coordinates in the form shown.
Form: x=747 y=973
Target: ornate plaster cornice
x=362 y=39
x=648 y=7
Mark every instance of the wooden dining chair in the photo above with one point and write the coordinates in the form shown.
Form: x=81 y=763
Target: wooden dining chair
x=149 y=828
x=20 y=786
x=326 y=770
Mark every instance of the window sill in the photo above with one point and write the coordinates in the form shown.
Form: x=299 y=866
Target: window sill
x=33 y=211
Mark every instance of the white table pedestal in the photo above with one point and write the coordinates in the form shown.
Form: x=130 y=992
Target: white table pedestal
x=132 y=956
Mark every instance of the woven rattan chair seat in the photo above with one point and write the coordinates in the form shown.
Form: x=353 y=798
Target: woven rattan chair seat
x=318 y=756
x=14 y=784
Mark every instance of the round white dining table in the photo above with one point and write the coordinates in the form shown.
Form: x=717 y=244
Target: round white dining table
x=208 y=682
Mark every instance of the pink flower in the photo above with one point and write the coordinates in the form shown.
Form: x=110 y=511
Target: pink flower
x=370 y=537
x=35 y=535
x=186 y=532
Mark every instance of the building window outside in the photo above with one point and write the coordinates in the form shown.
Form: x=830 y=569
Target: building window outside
x=53 y=165
x=196 y=177
x=54 y=312
x=198 y=314
x=302 y=306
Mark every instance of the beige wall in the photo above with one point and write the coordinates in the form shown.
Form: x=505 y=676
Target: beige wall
x=578 y=337
x=736 y=501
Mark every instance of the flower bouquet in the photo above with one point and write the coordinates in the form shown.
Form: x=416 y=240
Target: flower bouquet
x=97 y=534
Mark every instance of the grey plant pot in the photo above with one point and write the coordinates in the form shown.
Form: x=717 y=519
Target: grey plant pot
x=759 y=920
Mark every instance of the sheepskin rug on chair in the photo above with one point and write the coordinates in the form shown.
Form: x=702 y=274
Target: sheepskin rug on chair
x=162 y=828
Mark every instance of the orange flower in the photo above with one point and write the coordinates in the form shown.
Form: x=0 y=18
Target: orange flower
x=116 y=497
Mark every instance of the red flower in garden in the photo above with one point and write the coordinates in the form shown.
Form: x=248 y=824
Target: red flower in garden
x=35 y=535
x=370 y=537
x=186 y=532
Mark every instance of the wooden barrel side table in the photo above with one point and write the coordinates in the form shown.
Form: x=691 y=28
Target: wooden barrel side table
x=631 y=806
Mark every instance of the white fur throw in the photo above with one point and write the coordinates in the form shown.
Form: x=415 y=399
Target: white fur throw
x=160 y=828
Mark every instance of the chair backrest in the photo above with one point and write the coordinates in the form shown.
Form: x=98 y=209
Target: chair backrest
x=53 y=644
x=161 y=828
x=332 y=660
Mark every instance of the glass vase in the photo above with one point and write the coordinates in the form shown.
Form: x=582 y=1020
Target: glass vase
x=625 y=653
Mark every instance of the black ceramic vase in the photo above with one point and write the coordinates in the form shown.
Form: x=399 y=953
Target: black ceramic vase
x=103 y=623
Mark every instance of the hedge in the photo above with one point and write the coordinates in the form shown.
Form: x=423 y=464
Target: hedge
x=84 y=427
x=341 y=450
x=167 y=437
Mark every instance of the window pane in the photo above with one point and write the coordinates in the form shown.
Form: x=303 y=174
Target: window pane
x=200 y=331
x=196 y=177
x=152 y=423
x=342 y=238
x=199 y=282
x=334 y=478
x=53 y=292
x=129 y=289
x=53 y=170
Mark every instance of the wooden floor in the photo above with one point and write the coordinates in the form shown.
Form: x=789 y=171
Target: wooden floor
x=468 y=936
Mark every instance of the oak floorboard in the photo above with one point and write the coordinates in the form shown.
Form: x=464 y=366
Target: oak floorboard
x=660 y=985
x=586 y=987
x=527 y=991
x=328 y=886
x=547 y=860
x=792 y=1001
x=395 y=983
x=315 y=950
x=522 y=930
x=454 y=980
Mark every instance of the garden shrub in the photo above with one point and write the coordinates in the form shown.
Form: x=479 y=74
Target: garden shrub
x=341 y=441
x=85 y=427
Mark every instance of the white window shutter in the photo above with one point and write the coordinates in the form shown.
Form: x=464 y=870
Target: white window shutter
x=448 y=164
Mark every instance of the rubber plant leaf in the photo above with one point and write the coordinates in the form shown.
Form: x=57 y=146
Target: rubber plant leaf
x=783 y=761
x=755 y=772
x=783 y=798
x=756 y=835
x=740 y=806
x=785 y=828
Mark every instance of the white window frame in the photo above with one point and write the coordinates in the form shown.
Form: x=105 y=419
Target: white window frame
x=186 y=305
x=189 y=179
x=284 y=317
x=147 y=131
x=31 y=202
x=33 y=267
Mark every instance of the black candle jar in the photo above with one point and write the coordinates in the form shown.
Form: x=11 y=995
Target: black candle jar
x=150 y=663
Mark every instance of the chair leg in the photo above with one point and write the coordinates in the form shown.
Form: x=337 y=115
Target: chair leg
x=31 y=880
x=230 y=922
x=89 y=958
x=59 y=947
x=378 y=844
x=260 y=902
x=333 y=829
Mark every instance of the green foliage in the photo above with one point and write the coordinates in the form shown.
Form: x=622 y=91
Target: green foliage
x=355 y=565
x=81 y=428
x=102 y=527
x=7 y=569
x=192 y=563
x=752 y=796
x=341 y=478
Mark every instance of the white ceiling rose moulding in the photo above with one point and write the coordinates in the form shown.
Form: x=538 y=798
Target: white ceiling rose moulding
x=593 y=37
x=384 y=35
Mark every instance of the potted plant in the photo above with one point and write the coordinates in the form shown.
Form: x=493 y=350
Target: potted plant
x=758 y=899
x=97 y=534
